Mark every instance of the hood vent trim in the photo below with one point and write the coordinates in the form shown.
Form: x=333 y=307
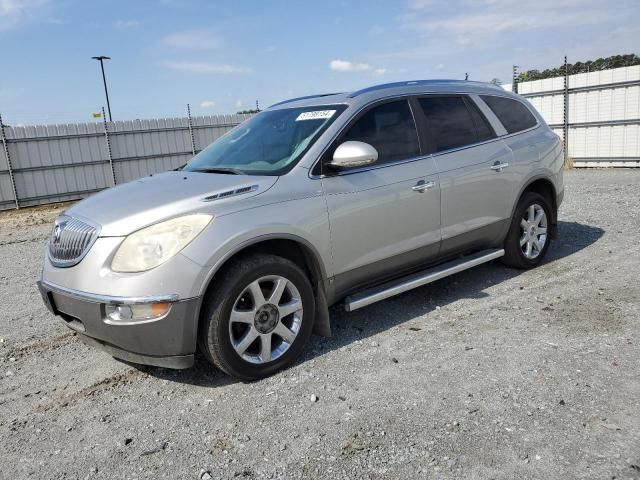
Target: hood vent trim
x=230 y=193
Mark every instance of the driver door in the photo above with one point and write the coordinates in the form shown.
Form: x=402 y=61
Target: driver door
x=385 y=217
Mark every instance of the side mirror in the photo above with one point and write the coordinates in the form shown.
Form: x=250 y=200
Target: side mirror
x=353 y=154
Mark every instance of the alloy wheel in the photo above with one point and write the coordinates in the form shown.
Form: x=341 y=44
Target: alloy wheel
x=265 y=319
x=533 y=231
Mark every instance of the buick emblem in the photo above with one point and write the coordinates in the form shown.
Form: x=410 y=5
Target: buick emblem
x=57 y=231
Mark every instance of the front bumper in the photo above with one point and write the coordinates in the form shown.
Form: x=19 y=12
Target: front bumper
x=169 y=341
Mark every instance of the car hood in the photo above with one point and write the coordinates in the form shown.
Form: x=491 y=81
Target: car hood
x=128 y=207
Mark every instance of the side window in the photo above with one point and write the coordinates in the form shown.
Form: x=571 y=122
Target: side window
x=390 y=129
x=512 y=114
x=450 y=123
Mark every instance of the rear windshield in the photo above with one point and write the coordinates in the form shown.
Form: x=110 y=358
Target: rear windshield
x=513 y=115
x=270 y=143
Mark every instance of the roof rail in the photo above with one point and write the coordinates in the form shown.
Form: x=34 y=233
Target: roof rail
x=418 y=82
x=318 y=95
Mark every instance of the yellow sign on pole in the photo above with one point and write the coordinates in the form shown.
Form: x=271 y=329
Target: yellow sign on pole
x=97 y=115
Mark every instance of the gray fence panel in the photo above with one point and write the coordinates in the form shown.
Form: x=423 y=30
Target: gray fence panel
x=6 y=191
x=139 y=167
x=54 y=163
x=57 y=162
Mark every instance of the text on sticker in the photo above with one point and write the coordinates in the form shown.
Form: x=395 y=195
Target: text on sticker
x=317 y=115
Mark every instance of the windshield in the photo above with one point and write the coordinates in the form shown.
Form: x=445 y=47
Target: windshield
x=270 y=143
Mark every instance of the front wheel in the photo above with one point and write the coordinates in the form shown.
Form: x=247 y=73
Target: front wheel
x=257 y=317
x=529 y=235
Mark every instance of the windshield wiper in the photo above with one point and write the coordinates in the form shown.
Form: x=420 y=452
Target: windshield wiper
x=223 y=170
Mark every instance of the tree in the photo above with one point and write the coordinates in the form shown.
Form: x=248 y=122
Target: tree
x=249 y=112
x=615 y=61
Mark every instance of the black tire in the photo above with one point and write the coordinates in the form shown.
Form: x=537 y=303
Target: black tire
x=514 y=254
x=214 y=336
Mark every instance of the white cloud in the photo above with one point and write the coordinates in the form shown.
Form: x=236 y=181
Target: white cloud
x=13 y=13
x=17 y=7
x=487 y=36
x=204 y=67
x=207 y=104
x=346 y=66
x=470 y=25
x=463 y=41
x=420 y=4
x=193 y=40
x=482 y=23
x=499 y=16
x=123 y=24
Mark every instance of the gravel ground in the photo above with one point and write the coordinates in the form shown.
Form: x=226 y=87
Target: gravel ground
x=492 y=373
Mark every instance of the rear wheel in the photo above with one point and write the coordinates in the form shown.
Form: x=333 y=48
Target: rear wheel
x=529 y=235
x=258 y=317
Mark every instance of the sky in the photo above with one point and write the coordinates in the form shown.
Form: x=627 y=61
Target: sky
x=221 y=56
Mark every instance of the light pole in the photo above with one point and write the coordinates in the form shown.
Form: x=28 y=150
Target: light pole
x=101 y=58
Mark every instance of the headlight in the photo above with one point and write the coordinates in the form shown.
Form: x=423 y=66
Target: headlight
x=154 y=245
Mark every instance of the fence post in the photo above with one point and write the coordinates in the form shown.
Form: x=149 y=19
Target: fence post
x=6 y=154
x=565 y=129
x=109 y=156
x=193 y=140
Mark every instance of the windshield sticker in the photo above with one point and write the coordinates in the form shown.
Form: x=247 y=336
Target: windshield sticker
x=317 y=115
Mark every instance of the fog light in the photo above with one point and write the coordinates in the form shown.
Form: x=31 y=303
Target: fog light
x=137 y=312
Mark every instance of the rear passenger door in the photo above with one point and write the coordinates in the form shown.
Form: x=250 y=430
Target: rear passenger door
x=527 y=143
x=385 y=217
x=473 y=166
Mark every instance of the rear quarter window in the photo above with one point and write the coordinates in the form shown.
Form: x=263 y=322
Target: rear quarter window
x=513 y=115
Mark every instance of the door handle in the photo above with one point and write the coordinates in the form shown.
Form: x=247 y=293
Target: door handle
x=498 y=167
x=422 y=186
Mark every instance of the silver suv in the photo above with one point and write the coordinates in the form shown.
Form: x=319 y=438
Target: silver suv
x=348 y=197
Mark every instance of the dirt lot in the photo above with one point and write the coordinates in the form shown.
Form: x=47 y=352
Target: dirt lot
x=492 y=373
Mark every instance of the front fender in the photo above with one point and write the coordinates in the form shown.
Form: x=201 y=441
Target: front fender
x=306 y=223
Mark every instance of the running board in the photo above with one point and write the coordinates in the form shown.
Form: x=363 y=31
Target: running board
x=404 y=284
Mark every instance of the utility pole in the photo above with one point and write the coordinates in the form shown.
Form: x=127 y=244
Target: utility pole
x=101 y=59
x=466 y=76
x=514 y=84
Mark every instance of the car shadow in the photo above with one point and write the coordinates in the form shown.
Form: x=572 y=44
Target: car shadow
x=349 y=327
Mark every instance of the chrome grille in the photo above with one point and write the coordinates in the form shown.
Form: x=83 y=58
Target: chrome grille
x=70 y=241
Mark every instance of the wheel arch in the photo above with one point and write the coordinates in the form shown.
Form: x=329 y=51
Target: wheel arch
x=545 y=187
x=289 y=246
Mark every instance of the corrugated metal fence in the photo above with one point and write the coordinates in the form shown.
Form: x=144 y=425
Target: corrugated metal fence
x=54 y=163
x=602 y=118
